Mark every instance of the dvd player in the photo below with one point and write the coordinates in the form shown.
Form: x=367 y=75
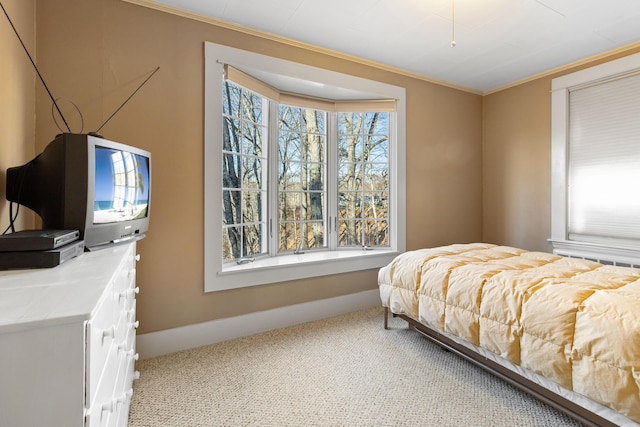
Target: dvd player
x=41 y=259
x=37 y=240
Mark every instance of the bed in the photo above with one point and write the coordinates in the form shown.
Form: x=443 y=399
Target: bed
x=565 y=330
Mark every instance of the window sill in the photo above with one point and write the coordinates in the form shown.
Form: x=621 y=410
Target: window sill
x=293 y=267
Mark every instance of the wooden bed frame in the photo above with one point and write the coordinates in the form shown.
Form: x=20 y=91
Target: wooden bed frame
x=552 y=399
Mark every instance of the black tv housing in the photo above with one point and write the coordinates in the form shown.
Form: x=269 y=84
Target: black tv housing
x=87 y=183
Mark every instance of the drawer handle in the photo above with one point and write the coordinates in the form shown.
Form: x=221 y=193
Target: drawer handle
x=129 y=353
x=135 y=324
x=109 y=406
x=137 y=257
x=136 y=375
x=110 y=332
x=128 y=293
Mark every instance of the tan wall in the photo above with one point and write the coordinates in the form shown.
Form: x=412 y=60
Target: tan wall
x=95 y=52
x=517 y=162
x=17 y=98
x=477 y=167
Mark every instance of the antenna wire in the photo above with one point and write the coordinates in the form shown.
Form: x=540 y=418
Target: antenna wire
x=34 y=66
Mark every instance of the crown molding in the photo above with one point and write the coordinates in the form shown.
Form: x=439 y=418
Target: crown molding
x=152 y=4
x=568 y=67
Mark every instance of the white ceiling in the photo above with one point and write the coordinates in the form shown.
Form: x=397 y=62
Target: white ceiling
x=498 y=42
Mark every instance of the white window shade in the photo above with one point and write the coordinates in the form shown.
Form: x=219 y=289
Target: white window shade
x=256 y=85
x=604 y=162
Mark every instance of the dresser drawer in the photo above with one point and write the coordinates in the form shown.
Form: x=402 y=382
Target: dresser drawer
x=128 y=358
x=101 y=333
x=103 y=405
x=125 y=278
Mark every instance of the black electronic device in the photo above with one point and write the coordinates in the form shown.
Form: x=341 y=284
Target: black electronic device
x=37 y=240
x=81 y=182
x=40 y=259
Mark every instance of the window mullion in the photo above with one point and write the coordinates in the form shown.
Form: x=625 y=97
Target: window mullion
x=272 y=185
x=332 y=181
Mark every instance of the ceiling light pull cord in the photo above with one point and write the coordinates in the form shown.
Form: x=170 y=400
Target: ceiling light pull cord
x=453 y=24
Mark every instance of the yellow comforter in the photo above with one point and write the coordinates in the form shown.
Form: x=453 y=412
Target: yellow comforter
x=573 y=321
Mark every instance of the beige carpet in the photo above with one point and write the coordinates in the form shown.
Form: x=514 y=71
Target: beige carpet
x=343 y=371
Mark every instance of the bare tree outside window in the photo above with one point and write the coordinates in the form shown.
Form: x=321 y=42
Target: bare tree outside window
x=363 y=179
x=243 y=171
x=301 y=189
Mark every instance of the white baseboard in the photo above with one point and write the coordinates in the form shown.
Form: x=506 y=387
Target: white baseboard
x=197 y=335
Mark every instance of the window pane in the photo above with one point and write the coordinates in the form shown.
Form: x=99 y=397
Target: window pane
x=349 y=176
x=349 y=233
x=252 y=107
x=302 y=176
x=289 y=236
x=289 y=203
x=289 y=146
x=243 y=174
x=315 y=231
x=252 y=238
x=230 y=207
x=251 y=206
x=290 y=176
x=363 y=182
x=231 y=243
x=379 y=149
x=381 y=124
x=290 y=118
x=321 y=118
x=230 y=99
x=252 y=139
x=252 y=173
x=375 y=233
x=314 y=176
x=230 y=171
x=350 y=147
x=313 y=203
x=375 y=176
x=231 y=137
x=349 y=204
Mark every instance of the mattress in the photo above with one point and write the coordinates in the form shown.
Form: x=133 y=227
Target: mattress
x=572 y=323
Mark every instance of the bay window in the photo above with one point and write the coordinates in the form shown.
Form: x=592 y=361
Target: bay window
x=303 y=175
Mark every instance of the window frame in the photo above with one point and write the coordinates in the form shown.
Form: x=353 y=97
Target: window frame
x=313 y=263
x=298 y=221
x=560 y=92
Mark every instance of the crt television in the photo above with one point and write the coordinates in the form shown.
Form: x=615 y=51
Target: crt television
x=87 y=183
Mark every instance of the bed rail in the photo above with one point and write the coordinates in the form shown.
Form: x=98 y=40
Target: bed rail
x=550 y=398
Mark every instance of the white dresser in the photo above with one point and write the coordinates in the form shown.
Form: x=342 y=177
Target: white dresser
x=67 y=341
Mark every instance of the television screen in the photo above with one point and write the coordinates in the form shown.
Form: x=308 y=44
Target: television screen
x=121 y=186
